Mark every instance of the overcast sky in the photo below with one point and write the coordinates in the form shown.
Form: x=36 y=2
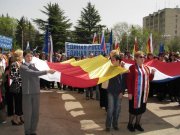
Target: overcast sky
x=111 y=11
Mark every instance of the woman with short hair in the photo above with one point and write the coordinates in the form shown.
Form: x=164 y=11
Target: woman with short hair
x=138 y=88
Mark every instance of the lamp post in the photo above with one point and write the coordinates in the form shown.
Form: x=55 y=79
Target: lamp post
x=22 y=38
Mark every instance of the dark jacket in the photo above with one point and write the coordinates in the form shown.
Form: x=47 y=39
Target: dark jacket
x=116 y=85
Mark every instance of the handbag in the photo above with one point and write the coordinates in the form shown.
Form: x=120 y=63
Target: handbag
x=14 y=87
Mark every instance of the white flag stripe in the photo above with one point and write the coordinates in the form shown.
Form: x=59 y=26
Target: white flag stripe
x=42 y=65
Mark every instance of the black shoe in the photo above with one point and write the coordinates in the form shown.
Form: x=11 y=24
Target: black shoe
x=138 y=127
x=107 y=129
x=33 y=134
x=116 y=128
x=130 y=127
x=21 y=119
x=15 y=124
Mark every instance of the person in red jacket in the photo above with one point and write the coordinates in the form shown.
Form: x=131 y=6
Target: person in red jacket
x=138 y=88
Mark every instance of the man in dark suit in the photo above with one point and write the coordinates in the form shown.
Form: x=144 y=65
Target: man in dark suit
x=31 y=93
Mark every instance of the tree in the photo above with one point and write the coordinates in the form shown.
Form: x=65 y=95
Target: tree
x=126 y=34
x=8 y=27
x=88 y=24
x=58 y=24
x=174 y=45
x=122 y=33
x=26 y=32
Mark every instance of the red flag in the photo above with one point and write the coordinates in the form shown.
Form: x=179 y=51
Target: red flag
x=103 y=43
x=149 y=47
x=117 y=45
x=135 y=48
x=95 y=39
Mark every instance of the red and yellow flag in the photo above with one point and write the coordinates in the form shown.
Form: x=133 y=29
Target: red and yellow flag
x=86 y=73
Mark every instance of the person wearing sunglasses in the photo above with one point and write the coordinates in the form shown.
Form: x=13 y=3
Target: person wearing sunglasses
x=138 y=88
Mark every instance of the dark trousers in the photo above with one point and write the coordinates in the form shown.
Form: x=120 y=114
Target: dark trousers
x=18 y=103
x=103 y=98
x=44 y=83
x=9 y=102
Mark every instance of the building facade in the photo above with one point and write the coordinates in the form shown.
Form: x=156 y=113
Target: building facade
x=165 y=21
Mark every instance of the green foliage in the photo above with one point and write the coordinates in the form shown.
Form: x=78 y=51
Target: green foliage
x=88 y=24
x=174 y=45
x=58 y=24
x=26 y=32
x=126 y=35
x=8 y=27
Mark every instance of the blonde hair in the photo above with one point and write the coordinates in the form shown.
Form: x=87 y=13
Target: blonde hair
x=18 y=54
x=114 y=52
x=138 y=53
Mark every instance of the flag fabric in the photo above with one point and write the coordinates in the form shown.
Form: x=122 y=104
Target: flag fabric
x=103 y=42
x=92 y=71
x=111 y=40
x=116 y=45
x=82 y=74
x=46 y=40
x=27 y=47
x=135 y=48
x=161 y=48
x=149 y=47
x=35 y=49
x=95 y=39
x=164 y=71
x=48 y=46
x=50 y=49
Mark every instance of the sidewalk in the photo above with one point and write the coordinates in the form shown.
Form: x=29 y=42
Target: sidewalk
x=68 y=113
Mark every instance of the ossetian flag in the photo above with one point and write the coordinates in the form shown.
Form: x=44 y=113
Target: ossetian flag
x=92 y=71
x=84 y=73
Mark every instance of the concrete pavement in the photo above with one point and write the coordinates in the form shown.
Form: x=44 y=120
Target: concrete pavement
x=69 y=113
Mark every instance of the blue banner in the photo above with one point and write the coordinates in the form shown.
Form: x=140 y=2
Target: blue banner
x=5 y=42
x=79 y=50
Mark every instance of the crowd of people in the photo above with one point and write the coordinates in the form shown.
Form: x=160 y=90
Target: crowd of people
x=18 y=99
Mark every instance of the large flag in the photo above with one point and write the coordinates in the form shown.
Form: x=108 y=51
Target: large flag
x=82 y=74
x=103 y=42
x=48 y=46
x=92 y=71
x=116 y=45
x=95 y=39
x=27 y=47
x=164 y=71
x=149 y=47
x=111 y=40
x=135 y=48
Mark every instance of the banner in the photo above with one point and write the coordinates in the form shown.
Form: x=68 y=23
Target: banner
x=5 y=42
x=79 y=50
